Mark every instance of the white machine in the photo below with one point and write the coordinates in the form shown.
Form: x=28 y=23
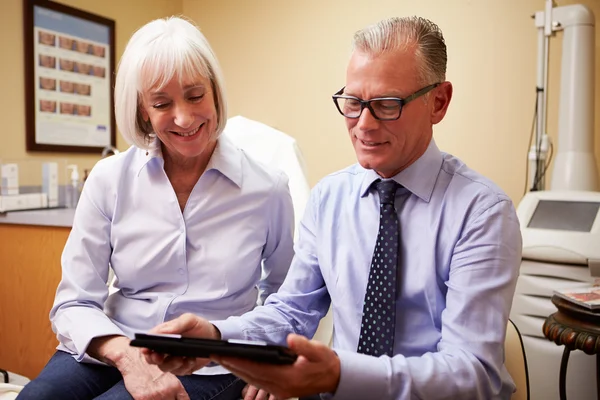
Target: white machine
x=561 y=250
x=560 y=226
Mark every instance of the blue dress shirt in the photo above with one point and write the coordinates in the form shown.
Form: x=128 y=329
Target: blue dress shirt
x=458 y=265
x=232 y=243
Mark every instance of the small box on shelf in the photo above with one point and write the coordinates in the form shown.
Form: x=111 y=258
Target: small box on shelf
x=9 y=184
x=587 y=296
x=31 y=184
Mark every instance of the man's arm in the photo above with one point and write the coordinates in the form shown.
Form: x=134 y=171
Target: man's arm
x=470 y=357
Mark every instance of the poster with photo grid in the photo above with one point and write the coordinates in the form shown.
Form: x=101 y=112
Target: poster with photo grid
x=69 y=61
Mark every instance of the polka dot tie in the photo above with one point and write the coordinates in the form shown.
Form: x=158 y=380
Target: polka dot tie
x=377 y=328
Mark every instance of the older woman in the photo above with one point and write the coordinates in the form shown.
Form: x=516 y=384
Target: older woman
x=187 y=222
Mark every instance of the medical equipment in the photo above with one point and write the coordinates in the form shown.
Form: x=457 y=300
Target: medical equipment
x=561 y=244
x=574 y=164
x=560 y=227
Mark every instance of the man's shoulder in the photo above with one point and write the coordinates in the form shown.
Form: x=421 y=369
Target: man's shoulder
x=347 y=179
x=469 y=185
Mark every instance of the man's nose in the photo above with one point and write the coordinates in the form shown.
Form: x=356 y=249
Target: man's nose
x=367 y=121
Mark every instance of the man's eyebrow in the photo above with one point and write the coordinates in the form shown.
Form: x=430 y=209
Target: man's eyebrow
x=395 y=95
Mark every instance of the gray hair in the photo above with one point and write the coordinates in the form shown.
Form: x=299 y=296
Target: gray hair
x=156 y=53
x=399 y=33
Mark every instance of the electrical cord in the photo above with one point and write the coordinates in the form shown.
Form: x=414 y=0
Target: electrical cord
x=537 y=90
x=543 y=174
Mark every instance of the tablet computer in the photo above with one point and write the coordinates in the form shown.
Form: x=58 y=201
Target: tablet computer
x=177 y=345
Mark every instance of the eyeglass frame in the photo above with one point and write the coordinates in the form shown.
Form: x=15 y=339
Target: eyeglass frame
x=367 y=103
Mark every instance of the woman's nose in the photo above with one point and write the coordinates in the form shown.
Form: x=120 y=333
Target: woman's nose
x=184 y=116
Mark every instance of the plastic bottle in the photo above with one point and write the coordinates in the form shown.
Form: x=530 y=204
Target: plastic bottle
x=73 y=188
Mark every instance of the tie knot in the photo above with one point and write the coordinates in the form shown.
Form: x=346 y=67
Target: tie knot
x=387 y=191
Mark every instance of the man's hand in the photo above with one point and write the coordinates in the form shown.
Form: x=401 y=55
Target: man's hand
x=188 y=325
x=317 y=370
x=142 y=381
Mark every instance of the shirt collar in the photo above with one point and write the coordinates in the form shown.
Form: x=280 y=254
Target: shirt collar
x=419 y=178
x=226 y=158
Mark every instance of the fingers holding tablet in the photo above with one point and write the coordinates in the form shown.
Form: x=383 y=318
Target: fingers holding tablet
x=182 y=355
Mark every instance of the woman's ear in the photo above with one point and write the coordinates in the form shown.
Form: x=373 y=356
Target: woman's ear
x=143 y=112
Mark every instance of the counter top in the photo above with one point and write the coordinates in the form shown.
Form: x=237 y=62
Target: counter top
x=61 y=217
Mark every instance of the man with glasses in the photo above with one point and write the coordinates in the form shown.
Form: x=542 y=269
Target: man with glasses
x=417 y=254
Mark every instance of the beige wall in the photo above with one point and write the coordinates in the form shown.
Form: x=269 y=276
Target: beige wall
x=284 y=59
x=128 y=15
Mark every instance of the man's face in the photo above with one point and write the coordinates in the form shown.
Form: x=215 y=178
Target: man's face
x=388 y=147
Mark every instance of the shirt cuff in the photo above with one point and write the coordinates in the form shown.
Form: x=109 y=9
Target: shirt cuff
x=230 y=328
x=81 y=328
x=361 y=377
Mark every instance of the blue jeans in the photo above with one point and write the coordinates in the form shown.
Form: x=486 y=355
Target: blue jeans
x=64 y=378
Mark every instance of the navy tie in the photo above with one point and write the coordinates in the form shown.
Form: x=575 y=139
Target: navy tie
x=378 y=320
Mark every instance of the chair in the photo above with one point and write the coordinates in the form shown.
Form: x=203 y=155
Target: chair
x=277 y=149
x=516 y=361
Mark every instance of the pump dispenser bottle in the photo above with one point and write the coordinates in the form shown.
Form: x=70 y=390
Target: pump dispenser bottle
x=73 y=188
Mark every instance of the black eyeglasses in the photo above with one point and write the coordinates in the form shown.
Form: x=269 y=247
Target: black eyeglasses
x=382 y=108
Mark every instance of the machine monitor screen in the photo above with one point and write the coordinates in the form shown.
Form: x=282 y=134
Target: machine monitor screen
x=576 y=216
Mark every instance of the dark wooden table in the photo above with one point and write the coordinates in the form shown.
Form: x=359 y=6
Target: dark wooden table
x=576 y=328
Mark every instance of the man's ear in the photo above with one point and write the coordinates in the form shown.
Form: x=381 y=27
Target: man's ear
x=441 y=97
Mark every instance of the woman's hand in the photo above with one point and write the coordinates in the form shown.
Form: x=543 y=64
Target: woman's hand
x=142 y=380
x=253 y=393
x=147 y=382
x=188 y=325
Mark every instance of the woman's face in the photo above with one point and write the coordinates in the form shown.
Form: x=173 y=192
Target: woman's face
x=47 y=38
x=66 y=108
x=47 y=61
x=83 y=47
x=47 y=106
x=83 y=68
x=80 y=88
x=65 y=43
x=66 y=65
x=99 y=71
x=83 y=110
x=66 y=86
x=47 y=83
x=98 y=51
x=183 y=116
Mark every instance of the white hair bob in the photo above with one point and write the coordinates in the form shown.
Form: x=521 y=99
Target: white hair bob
x=156 y=53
